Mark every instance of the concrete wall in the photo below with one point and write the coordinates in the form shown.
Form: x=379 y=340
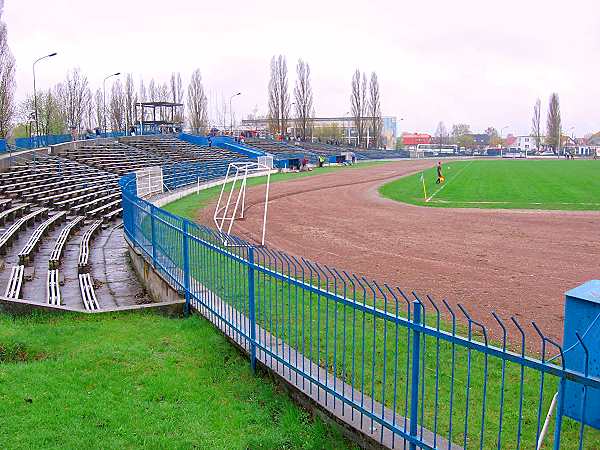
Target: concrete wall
x=9 y=159
x=155 y=284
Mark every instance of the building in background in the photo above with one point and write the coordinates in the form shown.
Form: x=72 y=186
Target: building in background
x=526 y=143
x=481 y=140
x=411 y=140
x=331 y=129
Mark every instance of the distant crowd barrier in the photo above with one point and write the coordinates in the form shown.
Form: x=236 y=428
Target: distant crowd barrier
x=222 y=142
x=402 y=368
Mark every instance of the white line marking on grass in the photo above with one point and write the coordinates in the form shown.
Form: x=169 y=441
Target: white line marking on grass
x=446 y=184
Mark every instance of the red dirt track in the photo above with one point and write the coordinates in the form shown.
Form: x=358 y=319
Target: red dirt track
x=513 y=262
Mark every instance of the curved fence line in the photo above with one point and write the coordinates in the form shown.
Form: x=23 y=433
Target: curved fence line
x=407 y=369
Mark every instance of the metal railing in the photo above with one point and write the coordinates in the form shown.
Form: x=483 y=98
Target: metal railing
x=411 y=371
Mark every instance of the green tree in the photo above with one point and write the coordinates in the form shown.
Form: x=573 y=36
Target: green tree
x=466 y=141
x=495 y=139
x=553 y=123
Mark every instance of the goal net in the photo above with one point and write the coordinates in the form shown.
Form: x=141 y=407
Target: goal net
x=231 y=205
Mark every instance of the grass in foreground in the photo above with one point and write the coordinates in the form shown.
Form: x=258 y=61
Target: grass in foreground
x=520 y=184
x=190 y=205
x=140 y=381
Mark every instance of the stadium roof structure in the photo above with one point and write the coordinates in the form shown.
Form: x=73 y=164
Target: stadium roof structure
x=170 y=114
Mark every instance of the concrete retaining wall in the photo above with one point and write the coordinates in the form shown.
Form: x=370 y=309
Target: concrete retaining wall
x=155 y=284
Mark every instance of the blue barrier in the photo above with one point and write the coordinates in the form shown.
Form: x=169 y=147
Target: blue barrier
x=225 y=142
x=3 y=147
x=411 y=370
x=42 y=141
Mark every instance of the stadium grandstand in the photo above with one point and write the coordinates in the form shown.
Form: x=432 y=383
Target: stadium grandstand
x=58 y=213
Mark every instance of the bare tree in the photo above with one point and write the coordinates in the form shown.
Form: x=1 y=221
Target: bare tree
x=274 y=112
x=89 y=115
x=99 y=110
x=536 y=124
x=304 y=99
x=374 y=110
x=117 y=106
x=49 y=117
x=73 y=98
x=197 y=104
x=553 y=124
x=7 y=83
x=152 y=91
x=176 y=88
x=441 y=134
x=163 y=96
x=359 y=105
x=279 y=97
x=142 y=97
x=176 y=91
x=130 y=101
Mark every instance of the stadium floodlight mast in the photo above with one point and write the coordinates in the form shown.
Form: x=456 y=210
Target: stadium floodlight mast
x=37 y=132
x=104 y=95
x=231 y=113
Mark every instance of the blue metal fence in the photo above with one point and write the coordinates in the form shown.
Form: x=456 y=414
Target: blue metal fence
x=42 y=141
x=409 y=370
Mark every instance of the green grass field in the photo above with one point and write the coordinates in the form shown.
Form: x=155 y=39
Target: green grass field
x=140 y=381
x=520 y=184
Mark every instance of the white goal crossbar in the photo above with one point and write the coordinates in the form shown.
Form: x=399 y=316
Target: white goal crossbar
x=232 y=206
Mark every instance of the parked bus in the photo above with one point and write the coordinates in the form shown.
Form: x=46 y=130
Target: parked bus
x=441 y=150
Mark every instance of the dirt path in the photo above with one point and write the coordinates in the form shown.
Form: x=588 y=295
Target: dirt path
x=513 y=262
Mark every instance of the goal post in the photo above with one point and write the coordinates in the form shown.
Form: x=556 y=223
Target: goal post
x=232 y=199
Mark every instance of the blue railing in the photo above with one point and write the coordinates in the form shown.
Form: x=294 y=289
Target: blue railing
x=404 y=368
x=225 y=142
x=42 y=141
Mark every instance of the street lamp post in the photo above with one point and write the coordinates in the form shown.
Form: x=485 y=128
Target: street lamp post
x=104 y=95
x=37 y=132
x=231 y=113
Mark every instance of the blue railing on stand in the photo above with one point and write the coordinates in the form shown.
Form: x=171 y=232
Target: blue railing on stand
x=42 y=141
x=403 y=366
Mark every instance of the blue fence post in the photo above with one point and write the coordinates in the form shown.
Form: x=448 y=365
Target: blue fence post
x=153 y=233
x=251 y=308
x=186 y=267
x=416 y=360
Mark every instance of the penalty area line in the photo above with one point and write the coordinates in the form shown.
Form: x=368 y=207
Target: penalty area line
x=446 y=184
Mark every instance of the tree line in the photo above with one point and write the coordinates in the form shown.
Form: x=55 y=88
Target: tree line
x=73 y=104
x=461 y=135
x=365 y=105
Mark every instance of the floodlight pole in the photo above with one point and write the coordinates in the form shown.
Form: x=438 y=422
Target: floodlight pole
x=104 y=95
x=231 y=113
x=37 y=131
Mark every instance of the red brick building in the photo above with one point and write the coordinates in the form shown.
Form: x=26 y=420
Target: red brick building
x=413 y=139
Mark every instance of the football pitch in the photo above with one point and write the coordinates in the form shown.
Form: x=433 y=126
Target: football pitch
x=504 y=184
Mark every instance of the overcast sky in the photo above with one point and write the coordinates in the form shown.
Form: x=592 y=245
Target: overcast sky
x=479 y=62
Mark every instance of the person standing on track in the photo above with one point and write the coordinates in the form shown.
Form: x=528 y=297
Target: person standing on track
x=440 y=177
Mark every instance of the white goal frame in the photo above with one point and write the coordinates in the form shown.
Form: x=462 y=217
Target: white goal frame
x=230 y=207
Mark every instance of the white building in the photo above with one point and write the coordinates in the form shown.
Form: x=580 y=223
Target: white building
x=526 y=143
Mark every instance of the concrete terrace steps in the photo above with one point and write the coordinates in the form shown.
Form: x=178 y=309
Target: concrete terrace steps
x=78 y=183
